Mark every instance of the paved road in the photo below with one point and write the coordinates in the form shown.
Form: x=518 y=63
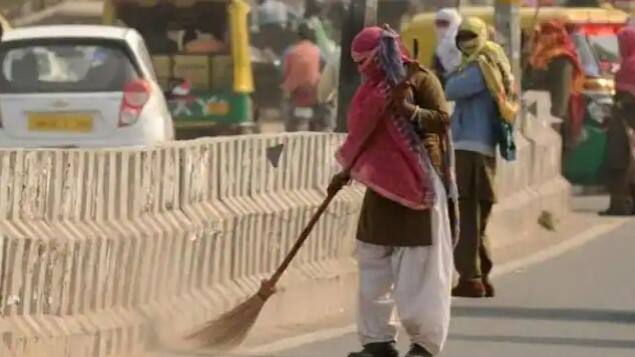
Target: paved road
x=579 y=304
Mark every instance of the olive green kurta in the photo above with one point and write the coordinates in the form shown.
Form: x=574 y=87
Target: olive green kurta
x=475 y=174
x=385 y=222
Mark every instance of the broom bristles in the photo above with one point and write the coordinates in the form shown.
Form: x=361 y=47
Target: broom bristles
x=231 y=328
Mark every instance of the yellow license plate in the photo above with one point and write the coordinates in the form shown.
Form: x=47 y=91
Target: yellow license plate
x=62 y=122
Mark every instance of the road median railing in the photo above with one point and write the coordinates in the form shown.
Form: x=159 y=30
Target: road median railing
x=101 y=250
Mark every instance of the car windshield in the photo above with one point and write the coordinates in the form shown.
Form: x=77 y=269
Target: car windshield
x=599 y=53
x=62 y=66
x=169 y=29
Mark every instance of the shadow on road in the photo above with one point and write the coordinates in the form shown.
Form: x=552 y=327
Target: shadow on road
x=538 y=340
x=556 y=314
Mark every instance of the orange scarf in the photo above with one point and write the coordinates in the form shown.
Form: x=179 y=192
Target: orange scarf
x=552 y=41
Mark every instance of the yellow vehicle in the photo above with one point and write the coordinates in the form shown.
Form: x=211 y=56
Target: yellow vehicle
x=594 y=33
x=4 y=25
x=419 y=33
x=200 y=51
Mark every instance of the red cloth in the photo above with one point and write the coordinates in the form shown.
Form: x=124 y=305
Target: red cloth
x=552 y=41
x=391 y=164
x=625 y=78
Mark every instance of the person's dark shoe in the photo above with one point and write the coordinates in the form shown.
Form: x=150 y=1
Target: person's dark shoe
x=490 y=291
x=619 y=209
x=469 y=289
x=418 y=351
x=379 y=349
x=612 y=213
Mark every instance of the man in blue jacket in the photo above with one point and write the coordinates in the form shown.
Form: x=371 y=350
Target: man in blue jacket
x=475 y=138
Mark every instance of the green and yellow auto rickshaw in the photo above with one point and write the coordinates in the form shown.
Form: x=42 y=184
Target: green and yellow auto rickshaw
x=201 y=55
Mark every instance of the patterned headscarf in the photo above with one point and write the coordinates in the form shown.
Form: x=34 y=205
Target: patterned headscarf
x=380 y=55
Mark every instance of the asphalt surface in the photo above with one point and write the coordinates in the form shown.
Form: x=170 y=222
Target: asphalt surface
x=581 y=303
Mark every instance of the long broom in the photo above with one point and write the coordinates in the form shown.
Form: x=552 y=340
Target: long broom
x=231 y=328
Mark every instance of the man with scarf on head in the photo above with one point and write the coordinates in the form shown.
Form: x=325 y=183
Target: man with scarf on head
x=447 y=56
x=555 y=66
x=399 y=145
x=485 y=100
x=621 y=132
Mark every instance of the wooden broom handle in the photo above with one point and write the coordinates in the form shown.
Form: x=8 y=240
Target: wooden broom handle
x=316 y=216
x=301 y=239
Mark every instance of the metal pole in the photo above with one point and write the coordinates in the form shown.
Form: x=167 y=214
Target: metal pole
x=507 y=20
x=361 y=13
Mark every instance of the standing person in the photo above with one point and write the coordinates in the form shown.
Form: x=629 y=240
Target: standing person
x=555 y=66
x=621 y=132
x=447 y=56
x=301 y=75
x=405 y=233
x=482 y=89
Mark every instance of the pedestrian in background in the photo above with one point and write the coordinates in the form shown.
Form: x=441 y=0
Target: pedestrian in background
x=482 y=89
x=301 y=75
x=447 y=56
x=554 y=66
x=621 y=132
x=405 y=232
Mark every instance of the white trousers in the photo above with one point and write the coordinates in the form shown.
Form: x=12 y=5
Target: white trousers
x=415 y=280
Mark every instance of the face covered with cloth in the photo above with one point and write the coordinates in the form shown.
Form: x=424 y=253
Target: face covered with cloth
x=473 y=41
x=446 y=26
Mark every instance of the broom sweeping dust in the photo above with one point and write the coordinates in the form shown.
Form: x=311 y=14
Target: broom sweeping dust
x=231 y=328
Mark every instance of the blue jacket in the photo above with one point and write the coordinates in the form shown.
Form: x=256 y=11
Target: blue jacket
x=475 y=117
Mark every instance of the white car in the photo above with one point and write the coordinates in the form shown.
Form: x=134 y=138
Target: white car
x=79 y=86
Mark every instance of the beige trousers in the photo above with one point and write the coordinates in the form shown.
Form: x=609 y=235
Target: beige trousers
x=415 y=282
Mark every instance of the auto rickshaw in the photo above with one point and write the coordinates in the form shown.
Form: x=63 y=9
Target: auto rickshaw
x=200 y=50
x=4 y=26
x=594 y=32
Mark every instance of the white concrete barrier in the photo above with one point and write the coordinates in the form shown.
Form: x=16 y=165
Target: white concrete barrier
x=533 y=184
x=100 y=249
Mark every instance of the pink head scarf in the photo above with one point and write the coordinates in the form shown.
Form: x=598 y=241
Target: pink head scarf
x=394 y=163
x=374 y=63
x=364 y=51
x=625 y=78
